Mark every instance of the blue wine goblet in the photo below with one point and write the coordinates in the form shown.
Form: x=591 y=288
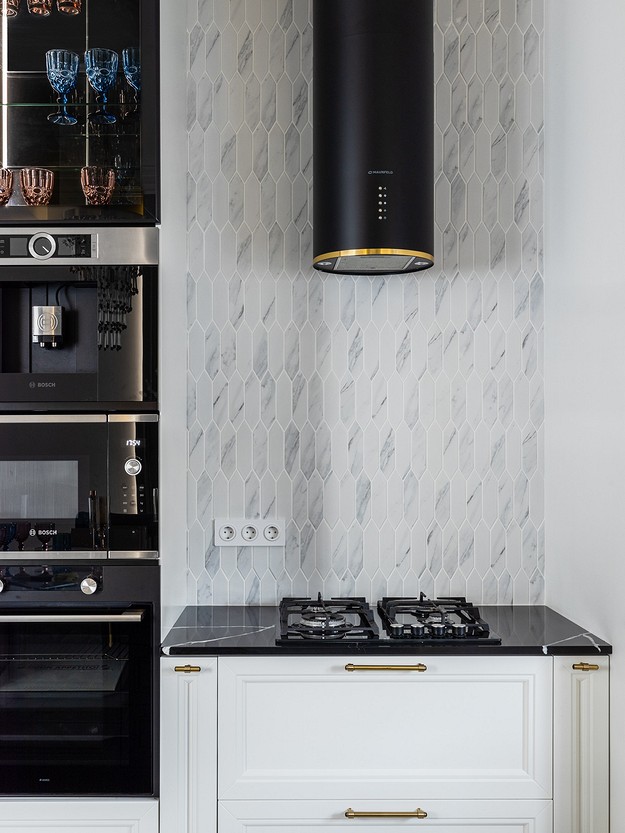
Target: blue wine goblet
x=131 y=62
x=101 y=66
x=62 y=69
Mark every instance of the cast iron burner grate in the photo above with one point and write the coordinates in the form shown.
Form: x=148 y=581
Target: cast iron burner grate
x=423 y=621
x=305 y=621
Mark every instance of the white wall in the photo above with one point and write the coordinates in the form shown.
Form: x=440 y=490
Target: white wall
x=585 y=331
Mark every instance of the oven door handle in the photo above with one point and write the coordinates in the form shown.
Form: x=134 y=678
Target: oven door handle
x=127 y=616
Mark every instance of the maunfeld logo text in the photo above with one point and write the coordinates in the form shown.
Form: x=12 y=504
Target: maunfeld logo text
x=389 y=173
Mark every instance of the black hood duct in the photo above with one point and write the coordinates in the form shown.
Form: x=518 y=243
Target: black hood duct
x=373 y=136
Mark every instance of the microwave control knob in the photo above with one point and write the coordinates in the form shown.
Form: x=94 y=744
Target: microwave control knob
x=132 y=466
x=89 y=585
x=42 y=246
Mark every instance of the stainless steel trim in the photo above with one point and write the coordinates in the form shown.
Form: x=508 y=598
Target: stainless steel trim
x=127 y=616
x=56 y=418
x=91 y=555
x=113 y=246
x=127 y=554
x=133 y=417
x=54 y=555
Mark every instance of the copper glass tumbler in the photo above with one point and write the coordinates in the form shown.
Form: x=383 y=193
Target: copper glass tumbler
x=69 y=6
x=97 y=184
x=40 y=7
x=9 y=7
x=6 y=185
x=37 y=185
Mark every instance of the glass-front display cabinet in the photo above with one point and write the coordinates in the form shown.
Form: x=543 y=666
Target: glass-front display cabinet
x=79 y=112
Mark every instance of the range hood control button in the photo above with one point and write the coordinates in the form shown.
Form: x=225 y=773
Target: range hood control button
x=89 y=585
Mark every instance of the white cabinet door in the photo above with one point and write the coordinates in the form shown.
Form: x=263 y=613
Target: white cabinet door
x=188 y=745
x=329 y=816
x=305 y=727
x=69 y=816
x=581 y=762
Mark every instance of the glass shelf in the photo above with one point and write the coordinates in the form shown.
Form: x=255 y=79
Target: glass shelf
x=129 y=146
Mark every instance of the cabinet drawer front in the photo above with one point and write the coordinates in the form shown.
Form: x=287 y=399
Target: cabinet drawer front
x=329 y=816
x=69 y=816
x=467 y=727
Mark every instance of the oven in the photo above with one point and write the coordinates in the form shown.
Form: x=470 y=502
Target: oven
x=78 y=486
x=78 y=679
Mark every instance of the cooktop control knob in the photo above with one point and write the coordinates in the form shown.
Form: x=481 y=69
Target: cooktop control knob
x=89 y=585
x=3 y=585
x=42 y=246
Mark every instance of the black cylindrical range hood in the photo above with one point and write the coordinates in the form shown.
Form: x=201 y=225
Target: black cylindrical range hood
x=373 y=136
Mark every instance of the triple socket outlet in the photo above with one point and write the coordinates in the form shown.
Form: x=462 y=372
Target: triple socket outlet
x=243 y=532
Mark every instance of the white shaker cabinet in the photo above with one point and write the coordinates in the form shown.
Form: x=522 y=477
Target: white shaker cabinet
x=581 y=744
x=188 y=745
x=462 y=727
x=329 y=816
x=465 y=744
x=63 y=815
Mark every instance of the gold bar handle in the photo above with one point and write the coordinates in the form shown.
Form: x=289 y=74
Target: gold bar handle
x=419 y=667
x=584 y=666
x=415 y=814
x=187 y=669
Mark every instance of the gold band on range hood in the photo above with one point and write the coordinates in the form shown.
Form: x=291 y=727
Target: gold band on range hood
x=412 y=254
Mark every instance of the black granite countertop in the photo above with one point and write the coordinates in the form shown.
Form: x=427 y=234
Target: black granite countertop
x=231 y=630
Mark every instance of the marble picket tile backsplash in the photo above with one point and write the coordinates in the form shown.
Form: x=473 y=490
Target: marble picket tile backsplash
x=396 y=423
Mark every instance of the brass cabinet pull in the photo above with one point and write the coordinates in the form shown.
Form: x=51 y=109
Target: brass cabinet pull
x=419 y=667
x=584 y=666
x=187 y=669
x=415 y=814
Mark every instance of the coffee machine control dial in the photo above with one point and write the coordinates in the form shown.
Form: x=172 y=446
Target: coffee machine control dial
x=42 y=246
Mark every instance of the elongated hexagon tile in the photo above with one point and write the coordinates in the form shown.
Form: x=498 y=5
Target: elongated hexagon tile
x=395 y=423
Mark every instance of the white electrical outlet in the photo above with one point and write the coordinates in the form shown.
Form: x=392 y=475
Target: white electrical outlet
x=246 y=532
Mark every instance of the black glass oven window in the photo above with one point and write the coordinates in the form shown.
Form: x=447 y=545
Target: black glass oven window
x=76 y=708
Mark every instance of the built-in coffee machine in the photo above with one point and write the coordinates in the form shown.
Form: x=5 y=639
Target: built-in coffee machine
x=78 y=319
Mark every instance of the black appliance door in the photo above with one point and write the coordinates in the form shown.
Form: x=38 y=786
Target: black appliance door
x=53 y=485
x=76 y=701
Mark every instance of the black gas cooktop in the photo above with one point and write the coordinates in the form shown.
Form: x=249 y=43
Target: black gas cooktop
x=452 y=620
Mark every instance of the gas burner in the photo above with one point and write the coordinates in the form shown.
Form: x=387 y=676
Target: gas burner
x=433 y=621
x=304 y=621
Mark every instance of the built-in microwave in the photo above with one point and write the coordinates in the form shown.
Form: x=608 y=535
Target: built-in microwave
x=78 y=485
